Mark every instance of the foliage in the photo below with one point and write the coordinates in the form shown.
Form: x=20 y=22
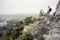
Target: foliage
x=17 y=32
x=35 y=19
x=28 y=20
x=5 y=36
x=42 y=14
x=40 y=37
x=26 y=36
x=21 y=29
x=19 y=23
x=14 y=33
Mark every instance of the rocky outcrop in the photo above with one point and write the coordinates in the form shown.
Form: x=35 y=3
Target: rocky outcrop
x=48 y=26
x=54 y=34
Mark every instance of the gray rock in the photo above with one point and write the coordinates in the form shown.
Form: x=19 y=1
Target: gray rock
x=53 y=38
x=55 y=32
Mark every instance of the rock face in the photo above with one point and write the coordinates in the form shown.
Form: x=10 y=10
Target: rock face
x=37 y=28
x=54 y=34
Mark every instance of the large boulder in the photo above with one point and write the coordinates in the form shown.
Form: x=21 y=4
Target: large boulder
x=55 y=32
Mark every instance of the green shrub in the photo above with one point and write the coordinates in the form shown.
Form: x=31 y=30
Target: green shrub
x=40 y=37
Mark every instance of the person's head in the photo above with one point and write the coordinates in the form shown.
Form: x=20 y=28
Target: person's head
x=48 y=6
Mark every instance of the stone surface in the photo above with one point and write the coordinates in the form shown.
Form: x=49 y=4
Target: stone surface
x=55 y=32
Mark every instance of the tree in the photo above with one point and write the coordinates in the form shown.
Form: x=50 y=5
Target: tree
x=42 y=14
x=19 y=23
x=5 y=36
x=35 y=19
x=15 y=33
x=28 y=20
x=40 y=37
x=26 y=36
x=21 y=29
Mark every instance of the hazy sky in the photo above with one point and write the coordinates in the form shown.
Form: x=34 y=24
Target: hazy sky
x=25 y=6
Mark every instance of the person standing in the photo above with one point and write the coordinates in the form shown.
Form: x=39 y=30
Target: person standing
x=48 y=14
x=49 y=10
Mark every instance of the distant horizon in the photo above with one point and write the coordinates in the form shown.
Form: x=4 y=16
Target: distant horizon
x=21 y=14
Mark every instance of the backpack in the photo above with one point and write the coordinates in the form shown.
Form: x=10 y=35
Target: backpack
x=50 y=10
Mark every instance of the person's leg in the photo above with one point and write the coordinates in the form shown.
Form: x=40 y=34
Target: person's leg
x=48 y=14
